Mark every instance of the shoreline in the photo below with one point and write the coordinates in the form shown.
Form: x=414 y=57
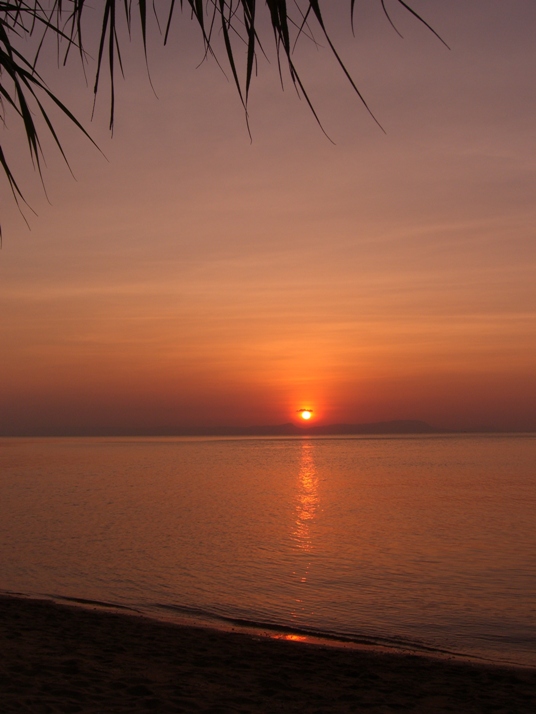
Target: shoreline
x=68 y=658
x=185 y=617
x=172 y=615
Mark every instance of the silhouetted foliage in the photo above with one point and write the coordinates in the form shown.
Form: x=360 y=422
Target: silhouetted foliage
x=26 y=24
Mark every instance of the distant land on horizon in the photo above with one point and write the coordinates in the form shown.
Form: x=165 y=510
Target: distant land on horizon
x=401 y=426
x=394 y=427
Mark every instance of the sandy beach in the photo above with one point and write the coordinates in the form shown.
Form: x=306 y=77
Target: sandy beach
x=58 y=658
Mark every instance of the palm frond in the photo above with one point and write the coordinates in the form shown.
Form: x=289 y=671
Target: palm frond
x=238 y=23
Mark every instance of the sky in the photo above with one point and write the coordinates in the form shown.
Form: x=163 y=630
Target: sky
x=189 y=276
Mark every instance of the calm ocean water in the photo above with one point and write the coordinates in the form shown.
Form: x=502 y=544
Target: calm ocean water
x=419 y=542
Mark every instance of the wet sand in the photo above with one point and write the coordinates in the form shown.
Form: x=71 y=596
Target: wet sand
x=58 y=658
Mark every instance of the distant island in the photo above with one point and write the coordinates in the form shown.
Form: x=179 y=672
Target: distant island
x=401 y=426
x=396 y=426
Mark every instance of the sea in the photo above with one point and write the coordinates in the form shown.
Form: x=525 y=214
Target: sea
x=424 y=544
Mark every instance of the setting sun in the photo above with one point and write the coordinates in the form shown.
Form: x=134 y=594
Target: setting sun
x=305 y=413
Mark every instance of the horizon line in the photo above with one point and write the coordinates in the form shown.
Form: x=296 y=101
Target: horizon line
x=396 y=427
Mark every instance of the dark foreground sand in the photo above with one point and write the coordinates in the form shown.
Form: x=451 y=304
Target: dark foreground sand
x=66 y=659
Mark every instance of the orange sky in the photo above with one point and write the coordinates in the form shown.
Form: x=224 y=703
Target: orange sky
x=196 y=278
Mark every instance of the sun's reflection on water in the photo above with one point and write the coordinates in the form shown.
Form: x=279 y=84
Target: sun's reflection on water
x=307 y=506
x=305 y=514
x=307 y=501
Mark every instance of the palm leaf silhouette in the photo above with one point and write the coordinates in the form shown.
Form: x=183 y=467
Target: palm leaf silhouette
x=24 y=92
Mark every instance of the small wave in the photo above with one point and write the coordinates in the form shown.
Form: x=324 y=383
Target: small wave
x=85 y=601
x=67 y=599
x=334 y=638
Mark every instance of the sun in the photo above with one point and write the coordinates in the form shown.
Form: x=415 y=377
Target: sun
x=305 y=413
